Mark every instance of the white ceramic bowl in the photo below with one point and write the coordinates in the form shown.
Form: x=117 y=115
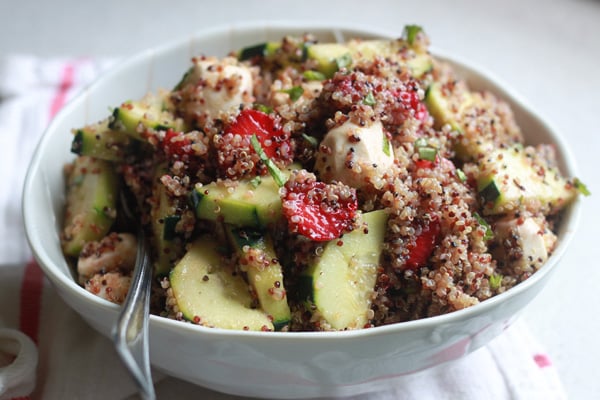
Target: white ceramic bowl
x=282 y=365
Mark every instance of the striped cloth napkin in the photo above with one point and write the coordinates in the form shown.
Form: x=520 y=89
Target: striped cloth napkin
x=48 y=352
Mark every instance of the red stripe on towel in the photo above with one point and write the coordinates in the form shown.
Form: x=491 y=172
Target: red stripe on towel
x=66 y=83
x=33 y=277
x=31 y=300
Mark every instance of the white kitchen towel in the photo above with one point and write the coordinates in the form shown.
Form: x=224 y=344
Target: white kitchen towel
x=74 y=362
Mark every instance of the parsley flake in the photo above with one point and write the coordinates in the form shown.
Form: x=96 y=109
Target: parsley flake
x=581 y=187
x=460 y=174
x=343 y=61
x=311 y=75
x=411 y=32
x=275 y=172
x=495 y=281
x=295 y=92
x=488 y=229
x=369 y=99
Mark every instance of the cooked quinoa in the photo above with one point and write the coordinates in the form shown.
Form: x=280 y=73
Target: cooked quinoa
x=367 y=135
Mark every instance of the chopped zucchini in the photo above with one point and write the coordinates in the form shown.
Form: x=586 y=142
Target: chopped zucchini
x=249 y=202
x=453 y=106
x=165 y=216
x=328 y=55
x=99 y=141
x=242 y=204
x=149 y=113
x=265 y=275
x=515 y=177
x=446 y=106
x=343 y=279
x=209 y=293
x=92 y=191
x=259 y=50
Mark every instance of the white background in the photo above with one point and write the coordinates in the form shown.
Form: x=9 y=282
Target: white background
x=548 y=50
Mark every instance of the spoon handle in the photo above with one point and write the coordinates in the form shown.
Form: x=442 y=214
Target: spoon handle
x=130 y=334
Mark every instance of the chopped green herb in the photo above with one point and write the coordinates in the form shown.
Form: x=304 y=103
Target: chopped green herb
x=310 y=139
x=263 y=108
x=427 y=153
x=495 y=281
x=386 y=146
x=295 y=92
x=275 y=172
x=255 y=182
x=411 y=32
x=460 y=174
x=369 y=99
x=421 y=142
x=311 y=75
x=343 y=61
x=581 y=187
x=488 y=229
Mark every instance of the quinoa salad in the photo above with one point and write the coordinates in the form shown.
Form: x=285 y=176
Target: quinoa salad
x=305 y=186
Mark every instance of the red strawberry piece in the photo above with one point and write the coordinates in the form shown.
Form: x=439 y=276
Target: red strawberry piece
x=425 y=164
x=423 y=246
x=176 y=144
x=318 y=210
x=410 y=100
x=267 y=130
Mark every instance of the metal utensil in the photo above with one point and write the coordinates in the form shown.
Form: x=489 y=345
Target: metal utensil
x=130 y=333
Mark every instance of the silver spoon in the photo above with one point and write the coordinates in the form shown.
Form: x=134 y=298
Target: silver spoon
x=130 y=333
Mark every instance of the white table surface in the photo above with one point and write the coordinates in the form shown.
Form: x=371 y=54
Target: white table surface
x=548 y=50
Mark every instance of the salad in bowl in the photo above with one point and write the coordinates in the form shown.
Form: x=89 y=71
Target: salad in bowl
x=296 y=185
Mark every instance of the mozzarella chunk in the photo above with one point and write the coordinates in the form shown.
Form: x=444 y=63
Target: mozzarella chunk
x=355 y=155
x=217 y=86
x=116 y=251
x=525 y=242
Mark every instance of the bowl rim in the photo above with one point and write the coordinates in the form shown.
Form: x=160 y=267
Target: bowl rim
x=506 y=92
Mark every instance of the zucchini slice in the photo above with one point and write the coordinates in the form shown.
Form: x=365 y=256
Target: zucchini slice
x=99 y=141
x=209 y=293
x=259 y=50
x=331 y=56
x=92 y=191
x=164 y=214
x=150 y=113
x=343 y=279
x=243 y=203
x=514 y=177
x=265 y=275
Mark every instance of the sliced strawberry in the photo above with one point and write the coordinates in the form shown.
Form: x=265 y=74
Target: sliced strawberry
x=425 y=164
x=423 y=246
x=317 y=210
x=265 y=127
x=410 y=100
x=176 y=144
x=237 y=157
